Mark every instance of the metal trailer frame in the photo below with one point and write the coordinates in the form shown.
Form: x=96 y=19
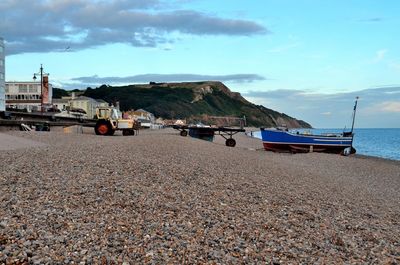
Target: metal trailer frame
x=225 y=132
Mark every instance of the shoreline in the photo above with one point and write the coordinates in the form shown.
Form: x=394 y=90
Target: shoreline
x=163 y=198
x=8 y=141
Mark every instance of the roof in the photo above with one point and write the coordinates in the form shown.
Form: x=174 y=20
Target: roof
x=22 y=82
x=142 y=110
x=83 y=98
x=60 y=100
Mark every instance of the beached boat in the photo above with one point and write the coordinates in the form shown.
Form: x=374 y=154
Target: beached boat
x=281 y=140
x=277 y=139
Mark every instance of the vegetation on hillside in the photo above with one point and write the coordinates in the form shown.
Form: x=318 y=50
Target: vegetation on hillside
x=59 y=93
x=192 y=101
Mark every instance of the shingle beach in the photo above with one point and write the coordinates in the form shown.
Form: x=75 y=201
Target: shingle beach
x=159 y=198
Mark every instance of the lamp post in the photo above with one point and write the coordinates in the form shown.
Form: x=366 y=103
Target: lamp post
x=41 y=73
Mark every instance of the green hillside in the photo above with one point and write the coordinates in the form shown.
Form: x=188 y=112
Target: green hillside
x=193 y=101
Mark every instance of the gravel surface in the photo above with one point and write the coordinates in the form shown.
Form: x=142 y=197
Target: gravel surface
x=10 y=142
x=159 y=198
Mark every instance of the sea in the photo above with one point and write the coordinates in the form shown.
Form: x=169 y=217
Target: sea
x=384 y=143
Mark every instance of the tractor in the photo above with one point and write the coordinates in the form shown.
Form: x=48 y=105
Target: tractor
x=109 y=119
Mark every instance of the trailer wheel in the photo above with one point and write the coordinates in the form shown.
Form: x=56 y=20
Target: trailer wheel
x=102 y=128
x=230 y=142
x=111 y=132
x=127 y=132
x=184 y=133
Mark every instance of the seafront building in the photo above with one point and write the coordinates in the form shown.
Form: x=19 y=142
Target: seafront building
x=87 y=104
x=146 y=118
x=26 y=95
x=61 y=104
x=2 y=76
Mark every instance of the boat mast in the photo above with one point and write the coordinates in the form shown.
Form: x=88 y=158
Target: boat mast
x=354 y=114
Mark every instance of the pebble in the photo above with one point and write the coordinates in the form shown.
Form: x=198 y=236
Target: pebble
x=161 y=198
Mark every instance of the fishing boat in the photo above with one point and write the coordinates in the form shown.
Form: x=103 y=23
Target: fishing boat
x=283 y=140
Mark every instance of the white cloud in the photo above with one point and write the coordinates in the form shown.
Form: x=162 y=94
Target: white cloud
x=380 y=55
x=284 y=48
x=49 y=25
x=389 y=106
x=95 y=80
x=377 y=107
x=395 y=66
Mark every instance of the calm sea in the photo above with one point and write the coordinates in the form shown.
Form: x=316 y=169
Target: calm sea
x=383 y=143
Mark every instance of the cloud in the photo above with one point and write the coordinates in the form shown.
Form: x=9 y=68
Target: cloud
x=290 y=94
x=44 y=26
x=378 y=107
x=369 y=96
x=373 y=19
x=380 y=55
x=93 y=81
x=145 y=78
x=284 y=48
x=389 y=106
x=395 y=66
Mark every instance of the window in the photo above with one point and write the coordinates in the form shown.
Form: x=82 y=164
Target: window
x=32 y=89
x=23 y=88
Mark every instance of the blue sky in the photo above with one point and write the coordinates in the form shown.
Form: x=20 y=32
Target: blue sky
x=306 y=58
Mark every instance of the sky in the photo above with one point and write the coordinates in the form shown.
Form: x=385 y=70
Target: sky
x=305 y=58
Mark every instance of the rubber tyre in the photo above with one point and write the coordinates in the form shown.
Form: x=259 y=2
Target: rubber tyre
x=126 y=132
x=184 y=133
x=102 y=128
x=111 y=132
x=230 y=142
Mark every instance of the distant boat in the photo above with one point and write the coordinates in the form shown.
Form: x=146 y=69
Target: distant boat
x=282 y=140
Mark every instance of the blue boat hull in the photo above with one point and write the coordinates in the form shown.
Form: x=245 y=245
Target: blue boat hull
x=284 y=141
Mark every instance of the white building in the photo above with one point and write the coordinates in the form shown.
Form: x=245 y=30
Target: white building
x=26 y=95
x=2 y=76
x=87 y=104
x=61 y=104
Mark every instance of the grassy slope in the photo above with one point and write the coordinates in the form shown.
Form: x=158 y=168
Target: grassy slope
x=174 y=100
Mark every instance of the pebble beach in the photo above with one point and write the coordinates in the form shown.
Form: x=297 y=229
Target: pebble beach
x=159 y=198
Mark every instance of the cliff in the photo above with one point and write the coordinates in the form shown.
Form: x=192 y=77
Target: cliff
x=194 y=101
